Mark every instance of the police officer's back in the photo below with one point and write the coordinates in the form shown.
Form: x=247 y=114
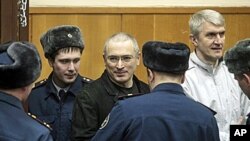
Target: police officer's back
x=20 y=66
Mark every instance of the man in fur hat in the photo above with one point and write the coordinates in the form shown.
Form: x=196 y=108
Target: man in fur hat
x=20 y=66
x=165 y=113
x=52 y=100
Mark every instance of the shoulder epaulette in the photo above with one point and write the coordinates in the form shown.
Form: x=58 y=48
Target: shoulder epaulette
x=86 y=80
x=40 y=83
x=129 y=96
x=39 y=121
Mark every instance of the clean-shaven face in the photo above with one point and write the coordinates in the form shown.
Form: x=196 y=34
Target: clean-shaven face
x=121 y=61
x=210 y=42
x=66 y=67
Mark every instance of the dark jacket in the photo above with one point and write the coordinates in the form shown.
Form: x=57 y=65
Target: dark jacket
x=165 y=114
x=16 y=125
x=45 y=104
x=94 y=104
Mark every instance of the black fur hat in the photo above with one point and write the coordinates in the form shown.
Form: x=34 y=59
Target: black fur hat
x=166 y=57
x=237 y=58
x=20 y=64
x=61 y=37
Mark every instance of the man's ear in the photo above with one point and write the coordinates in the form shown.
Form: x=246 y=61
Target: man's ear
x=50 y=62
x=104 y=59
x=246 y=78
x=193 y=39
x=138 y=59
x=150 y=75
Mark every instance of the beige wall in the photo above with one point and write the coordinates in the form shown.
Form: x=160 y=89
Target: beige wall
x=138 y=3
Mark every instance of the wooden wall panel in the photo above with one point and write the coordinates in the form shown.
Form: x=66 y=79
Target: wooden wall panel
x=97 y=24
x=172 y=28
x=237 y=27
x=141 y=26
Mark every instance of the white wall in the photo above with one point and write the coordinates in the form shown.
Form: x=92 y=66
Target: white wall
x=139 y=3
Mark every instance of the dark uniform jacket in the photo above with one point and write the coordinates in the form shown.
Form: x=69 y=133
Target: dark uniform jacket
x=45 y=104
x=165 y=114
x=16 y=125
x=94 y=104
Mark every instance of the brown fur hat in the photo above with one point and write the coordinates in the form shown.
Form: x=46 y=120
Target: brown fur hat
x=166 y=57
x=61 y=37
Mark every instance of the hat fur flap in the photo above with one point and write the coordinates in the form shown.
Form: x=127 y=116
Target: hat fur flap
x=166 y=57
x=237 y=58
x=61 y=37
x=23 y=66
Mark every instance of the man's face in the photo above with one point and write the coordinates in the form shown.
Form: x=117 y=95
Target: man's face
x=210 y=42
x=121 y=61
x=65 y=67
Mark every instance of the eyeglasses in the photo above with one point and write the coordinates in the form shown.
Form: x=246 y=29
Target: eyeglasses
x=124 y=59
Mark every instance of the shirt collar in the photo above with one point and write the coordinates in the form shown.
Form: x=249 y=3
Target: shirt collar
x=210 y=68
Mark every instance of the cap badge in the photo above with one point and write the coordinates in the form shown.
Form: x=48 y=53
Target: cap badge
x=69 y=35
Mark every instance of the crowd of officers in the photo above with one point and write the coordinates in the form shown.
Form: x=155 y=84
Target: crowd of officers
x=189 y=96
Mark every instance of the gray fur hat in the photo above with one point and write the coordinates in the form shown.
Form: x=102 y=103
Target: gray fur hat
x=20 y=64
x=61 y=37
x=166 y=57
x=237 y=58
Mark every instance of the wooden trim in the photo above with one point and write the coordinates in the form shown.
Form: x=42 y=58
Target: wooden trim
x=139 y=10
x=9 y=28
x=24 y=31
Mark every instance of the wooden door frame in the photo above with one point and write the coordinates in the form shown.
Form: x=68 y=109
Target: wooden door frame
x=10 y=28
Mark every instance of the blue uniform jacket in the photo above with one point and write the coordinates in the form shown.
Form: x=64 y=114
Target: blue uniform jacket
x=44 y=103
x=16 y=125
x=165 y=114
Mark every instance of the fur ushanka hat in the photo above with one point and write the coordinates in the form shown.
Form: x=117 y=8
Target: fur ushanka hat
x=20 y=64
x=237 y=58
x=166 y=57
x=61 y=37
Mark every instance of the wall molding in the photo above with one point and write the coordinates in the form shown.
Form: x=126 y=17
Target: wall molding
x=134 y=10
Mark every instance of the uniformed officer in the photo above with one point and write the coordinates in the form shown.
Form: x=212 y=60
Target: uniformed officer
x=165 y=114
x=20 y=66
x=52 y=99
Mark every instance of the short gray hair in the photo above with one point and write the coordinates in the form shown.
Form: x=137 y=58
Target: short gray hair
x=121 y=37
x=202 y=16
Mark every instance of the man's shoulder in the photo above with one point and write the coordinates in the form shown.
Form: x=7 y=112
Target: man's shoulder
x=93 y=84
x=127 y=96
x=40 y=83
x=144 y=87
x=206 y=108
x=86 y=79
x=39 y=122
x=92 y=89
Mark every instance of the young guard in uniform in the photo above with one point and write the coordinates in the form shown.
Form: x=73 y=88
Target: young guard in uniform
x=52 y=100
